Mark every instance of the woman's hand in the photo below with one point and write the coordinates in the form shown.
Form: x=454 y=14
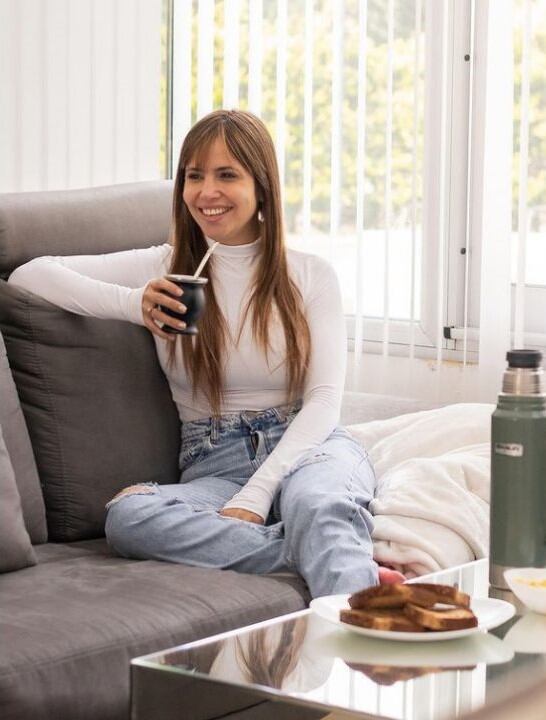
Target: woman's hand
x=162 y=292
x=241 y=514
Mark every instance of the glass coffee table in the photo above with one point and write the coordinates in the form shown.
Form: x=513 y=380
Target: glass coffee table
x=303 y=666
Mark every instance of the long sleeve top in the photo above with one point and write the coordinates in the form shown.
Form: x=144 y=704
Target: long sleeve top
x=111 y=286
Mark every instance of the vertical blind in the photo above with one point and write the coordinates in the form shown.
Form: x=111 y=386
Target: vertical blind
x=519 y=309
x=79 y=92
x=372 y=106
x=340 y=86
x=529 y=172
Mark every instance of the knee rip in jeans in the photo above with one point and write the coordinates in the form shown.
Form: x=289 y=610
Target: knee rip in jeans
x=139 y=489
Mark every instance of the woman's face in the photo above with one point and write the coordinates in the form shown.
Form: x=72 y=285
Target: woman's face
x=221 y=197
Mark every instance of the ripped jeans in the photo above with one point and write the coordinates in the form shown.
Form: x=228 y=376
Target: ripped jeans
x=319 y=524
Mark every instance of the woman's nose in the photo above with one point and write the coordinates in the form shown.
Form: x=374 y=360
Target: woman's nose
x=209 y=188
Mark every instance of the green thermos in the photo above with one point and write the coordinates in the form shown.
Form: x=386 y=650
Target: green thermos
x=518 y=469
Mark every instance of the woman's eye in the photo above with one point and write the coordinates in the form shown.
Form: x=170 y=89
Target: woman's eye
x=228 y=175
x=192 y=176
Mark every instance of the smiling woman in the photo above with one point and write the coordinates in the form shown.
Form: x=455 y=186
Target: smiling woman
x=272 y=331
x=269 y=482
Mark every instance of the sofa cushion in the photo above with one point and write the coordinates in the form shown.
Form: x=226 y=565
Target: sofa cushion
x=15 y=548
x=92 y=220
x=97 y=405
x=20 y=452
x=79 y=621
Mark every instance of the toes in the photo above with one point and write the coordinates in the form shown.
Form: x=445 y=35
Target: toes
x=388 y=576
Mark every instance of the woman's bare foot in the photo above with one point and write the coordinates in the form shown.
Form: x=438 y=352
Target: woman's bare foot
x=387 y=576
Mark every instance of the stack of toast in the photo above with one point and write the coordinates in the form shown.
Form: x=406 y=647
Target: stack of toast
x=415 y=607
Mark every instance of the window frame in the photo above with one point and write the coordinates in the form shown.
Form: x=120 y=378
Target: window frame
x=455 y=165
x=481 y=173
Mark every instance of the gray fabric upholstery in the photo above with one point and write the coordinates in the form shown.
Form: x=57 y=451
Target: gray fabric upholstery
x=97 y=405
x=75 y=623
x=20 y=452
x=15 y=548
x=72 y=222
x=51 y=552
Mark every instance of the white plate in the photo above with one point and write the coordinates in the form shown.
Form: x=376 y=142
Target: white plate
x=489 y=611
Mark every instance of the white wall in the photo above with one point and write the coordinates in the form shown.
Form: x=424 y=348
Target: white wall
x=79 y=93
x=421 y=378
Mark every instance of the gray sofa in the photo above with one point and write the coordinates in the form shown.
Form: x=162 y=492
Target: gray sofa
x=85 y=410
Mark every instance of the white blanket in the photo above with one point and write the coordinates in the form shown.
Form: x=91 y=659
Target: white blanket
x=432 y=502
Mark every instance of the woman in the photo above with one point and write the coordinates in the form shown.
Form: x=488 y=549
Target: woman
x=268 y=482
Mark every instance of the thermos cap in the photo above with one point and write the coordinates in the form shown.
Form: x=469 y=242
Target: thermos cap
x=524 y=358
x=524 y=374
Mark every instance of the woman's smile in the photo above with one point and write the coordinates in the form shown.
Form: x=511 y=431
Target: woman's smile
x=214 y=213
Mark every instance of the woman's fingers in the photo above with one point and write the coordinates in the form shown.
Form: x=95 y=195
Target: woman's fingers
x=157 y=296
x=241 y=514
x=160 y=299
x=156 y=330
x=159 y=316
x=170 y=287
x=167 y=293
x=163 y=292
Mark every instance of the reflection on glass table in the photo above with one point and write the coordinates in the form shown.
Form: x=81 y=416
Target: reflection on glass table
x=301 y=666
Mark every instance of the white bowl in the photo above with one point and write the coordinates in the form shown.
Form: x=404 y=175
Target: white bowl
x=533 y=596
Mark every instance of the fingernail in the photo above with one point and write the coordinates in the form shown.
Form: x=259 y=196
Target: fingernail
x=181 y=324
x=182 y=308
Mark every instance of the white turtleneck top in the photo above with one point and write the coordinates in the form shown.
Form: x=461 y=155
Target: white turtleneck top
x=111 y=286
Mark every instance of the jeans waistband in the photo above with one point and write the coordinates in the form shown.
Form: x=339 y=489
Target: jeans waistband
x=251 y=419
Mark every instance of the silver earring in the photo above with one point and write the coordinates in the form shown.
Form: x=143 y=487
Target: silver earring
x=260 y=216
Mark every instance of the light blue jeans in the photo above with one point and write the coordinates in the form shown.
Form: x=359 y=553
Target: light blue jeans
x=319 y=524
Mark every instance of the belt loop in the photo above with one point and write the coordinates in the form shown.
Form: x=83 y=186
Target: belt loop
x=279 y=414
x=244 y=420
x=214 y=429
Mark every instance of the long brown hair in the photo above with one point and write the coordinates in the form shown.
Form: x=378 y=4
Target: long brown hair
x=248 y=141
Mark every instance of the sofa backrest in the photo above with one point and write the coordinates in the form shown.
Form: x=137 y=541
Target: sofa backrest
x=89 y=221
x=97 y=405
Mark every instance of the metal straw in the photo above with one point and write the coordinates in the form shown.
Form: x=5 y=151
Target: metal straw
x=204 y=260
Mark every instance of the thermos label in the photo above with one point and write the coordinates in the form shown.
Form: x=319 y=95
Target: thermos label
x=511 y=449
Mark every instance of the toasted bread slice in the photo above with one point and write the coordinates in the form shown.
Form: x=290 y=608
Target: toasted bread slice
x=392 y=596
x=443 y=619
x=382 y=619
x=445 y=594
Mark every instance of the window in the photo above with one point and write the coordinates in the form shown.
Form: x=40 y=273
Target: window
x=370 y=105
